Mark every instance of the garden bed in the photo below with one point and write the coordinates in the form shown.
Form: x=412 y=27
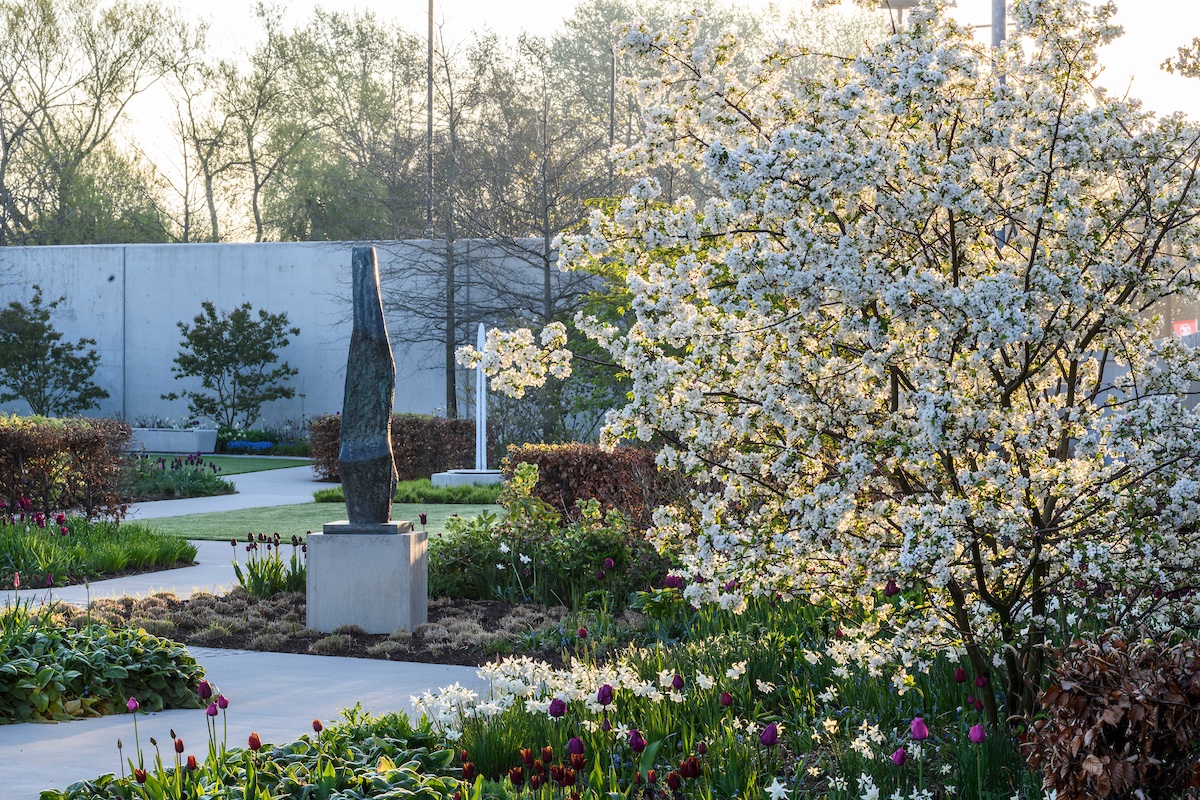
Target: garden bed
x=464 y=632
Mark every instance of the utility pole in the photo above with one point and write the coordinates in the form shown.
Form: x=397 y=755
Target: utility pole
x=429 y=136
x=612 y=111
x=999 y=22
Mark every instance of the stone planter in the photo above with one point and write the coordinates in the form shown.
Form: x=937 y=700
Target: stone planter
x=174 y=440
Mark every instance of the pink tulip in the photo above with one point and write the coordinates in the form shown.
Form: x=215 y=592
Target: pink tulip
x=977 y=734
x=919 y=731
x=899 y=757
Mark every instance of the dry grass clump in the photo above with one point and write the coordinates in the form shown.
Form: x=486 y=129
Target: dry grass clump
x=350 y=630
x=389 y=649
x=333 y=644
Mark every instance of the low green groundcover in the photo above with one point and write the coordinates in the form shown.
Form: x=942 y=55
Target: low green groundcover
x=363 y=757
x=51 y=672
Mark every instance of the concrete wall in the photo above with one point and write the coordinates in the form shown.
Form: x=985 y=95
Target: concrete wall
x=130 y=299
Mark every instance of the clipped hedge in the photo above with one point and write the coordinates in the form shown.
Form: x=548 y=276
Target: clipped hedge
x=625 y=478
x=63 y=463
x=421 y=445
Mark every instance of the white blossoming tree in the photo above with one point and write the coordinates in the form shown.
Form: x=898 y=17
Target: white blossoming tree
x=908 y=340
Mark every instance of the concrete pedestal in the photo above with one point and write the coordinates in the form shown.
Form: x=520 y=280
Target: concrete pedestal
x=459 y=477
x=372 y=576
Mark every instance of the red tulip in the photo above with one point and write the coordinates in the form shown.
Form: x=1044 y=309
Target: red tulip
x=960 y=675
x=191 y=764
x=516 y=776
x=651 y=776
x=468 y=771
x=179 y=745
x=317 y=726
x=674 y=781
x=255 y=742
x=139 y=775
x=547 y=754
x=581 y=633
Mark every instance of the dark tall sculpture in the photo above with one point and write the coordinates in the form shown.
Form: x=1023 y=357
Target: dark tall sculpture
x=365 y=458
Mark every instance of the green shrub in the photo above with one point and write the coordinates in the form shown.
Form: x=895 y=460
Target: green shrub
x=183 y=476
x=525 y=555
x=59 y=549
x=52 y=672
x=62 y=464
x=421 y=445
x=422 y=491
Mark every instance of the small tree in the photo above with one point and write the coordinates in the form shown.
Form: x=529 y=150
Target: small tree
x=232 y=353
x=36 y=366
x=903 y=354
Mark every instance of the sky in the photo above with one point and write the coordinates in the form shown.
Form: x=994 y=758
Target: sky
x=1154 y=29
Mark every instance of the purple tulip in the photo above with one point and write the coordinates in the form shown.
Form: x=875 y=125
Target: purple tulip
x=606 y=725
x=132 y=705
x=222 y=702
x=677 y=682
x=919 y=731
x=637 y=742
x=960 y=675
x=726 y=699
x=204 y=690
x=770 y=735
x=891 y=589
x=605 y=695
x=609 y=563
x=981 y=681
x=575 y=746
x=599 y=574
x=977 y=734
x=899 y=757
x=211 y=710
x=558 y=707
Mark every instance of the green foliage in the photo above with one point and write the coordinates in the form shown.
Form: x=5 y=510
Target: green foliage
x=267 y=574
x=423 y=491
x=59 y=549
x=232 y=353
x=525 y=555
x=384 y=757
x=182 y=476
x=54 y=377
x=51 y=672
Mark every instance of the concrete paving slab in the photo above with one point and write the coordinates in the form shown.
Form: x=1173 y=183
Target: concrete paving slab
x=276 y=695
x=272 y=487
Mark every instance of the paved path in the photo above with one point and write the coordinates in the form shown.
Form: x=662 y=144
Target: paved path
x=273 y=487
x=275 y=694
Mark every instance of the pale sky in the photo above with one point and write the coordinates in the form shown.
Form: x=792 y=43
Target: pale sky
x=1154 y=29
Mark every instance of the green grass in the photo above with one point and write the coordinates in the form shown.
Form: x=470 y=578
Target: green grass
x=236 y=465
x=422 y=491
x=91 y=549
x=298 y=519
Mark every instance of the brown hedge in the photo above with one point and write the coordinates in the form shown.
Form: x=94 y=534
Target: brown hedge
x=625 y=478
x=62 y=464
x=421 y=445
x=1120 y=720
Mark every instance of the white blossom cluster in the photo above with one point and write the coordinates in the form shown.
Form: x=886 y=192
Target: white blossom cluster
x=906 y=341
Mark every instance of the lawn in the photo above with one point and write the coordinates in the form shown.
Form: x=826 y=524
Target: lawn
x=236 y=465
x=299 y=519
